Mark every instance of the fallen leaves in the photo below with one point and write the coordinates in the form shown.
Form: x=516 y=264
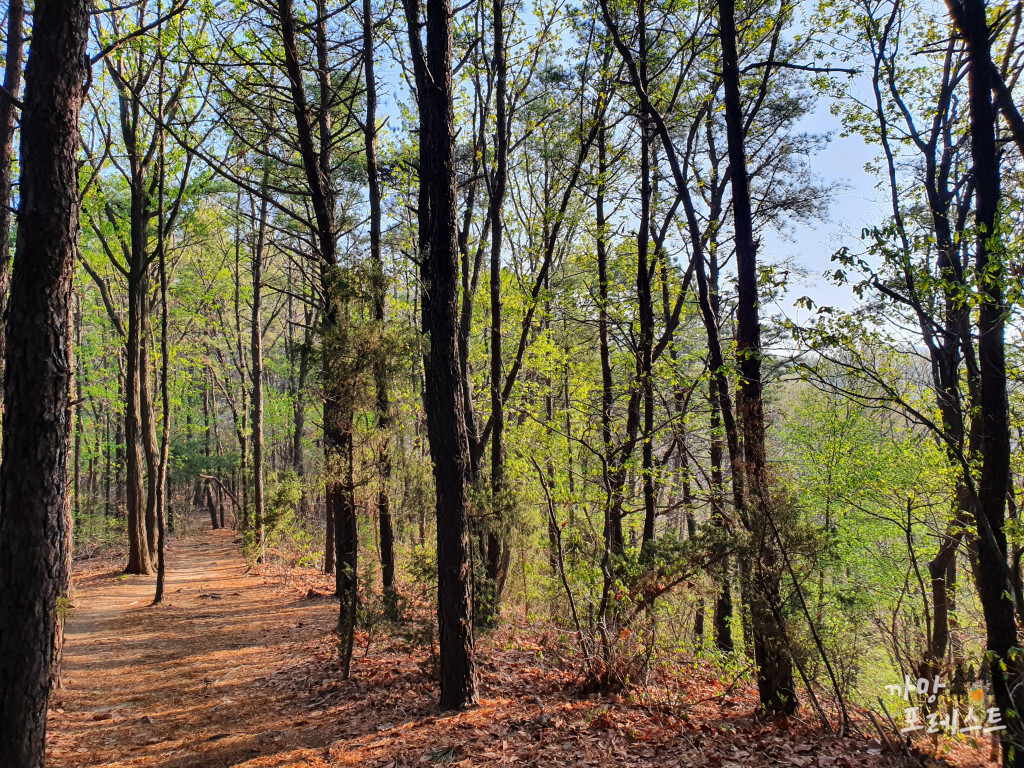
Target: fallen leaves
x=252 y=680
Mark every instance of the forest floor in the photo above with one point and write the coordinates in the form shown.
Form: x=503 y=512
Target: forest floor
x=238 y=668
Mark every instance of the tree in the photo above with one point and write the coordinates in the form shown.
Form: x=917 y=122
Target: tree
x=338 y=364
x=996 y=586
x=774 y=665
x=34 y=482
x=8 y=127
x=379 y=295
x=926 y=279
x=443 y=394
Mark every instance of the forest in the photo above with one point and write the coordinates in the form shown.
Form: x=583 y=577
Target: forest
x=527 y=365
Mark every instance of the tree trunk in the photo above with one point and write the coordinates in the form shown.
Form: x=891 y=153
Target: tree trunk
x=139 y=560
x=723 y=601
x=346 y=546
x=495 y=543
x=299 y=411
x=443 y=392
x=150 y=451
x=943 y=598
x=379 y=287
x=8 y=127
x=35 y=526
x=775 y=667
x=995 y=586
x=645 y=301
x=338 y=383
x=329 y=539
x=722 y=421
x=211 y=503
x=165 y=354
x=613 y=521
x=256 y=351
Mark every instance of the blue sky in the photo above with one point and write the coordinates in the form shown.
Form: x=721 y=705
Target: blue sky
x=858 y=203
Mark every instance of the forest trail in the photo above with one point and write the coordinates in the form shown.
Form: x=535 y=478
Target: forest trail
x=237 y=668
x=186 y=683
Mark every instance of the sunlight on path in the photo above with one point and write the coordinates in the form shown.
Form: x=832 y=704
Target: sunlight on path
x=181 y=684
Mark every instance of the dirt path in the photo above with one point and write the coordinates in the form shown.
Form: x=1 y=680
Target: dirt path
x=187 y=683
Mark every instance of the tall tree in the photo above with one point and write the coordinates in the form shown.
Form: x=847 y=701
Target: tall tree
x=133 y=68
x=379 y=295
x=995 y=586
x=35 y=523
x=256 y=351
x=443 y=392
x=165 y=349
x=316 y=149
x=774 y=664
x=8 y=127
x=498 y=183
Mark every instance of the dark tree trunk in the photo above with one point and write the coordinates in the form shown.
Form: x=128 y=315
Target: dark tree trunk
x=723 y=422
x=8 y=127
x=379 y=288
x=35 y=526
x=723 y=601
x=329 y=539
x=108 y=474
x=165 y=354
x=613 y=520
x=139 y=560
x=240 y=411
x=337 y=375
x=995 y=585
x=151 y=450
x=256 y=352
x=942 y=599
x=443 y=392
x=645 y=301
x=299 y=409
x=775 y=667
x=211 y=503
x=346 y=549
x=495 y=544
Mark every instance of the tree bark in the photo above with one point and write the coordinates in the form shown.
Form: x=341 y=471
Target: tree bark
x=165 y=354
x=645 y=301
x=337 y=375
x=211 y=503
x=256 y=352
x=443 y=392
x=495 y=541
x=8 y=127
x=151 y=450
x=723 y=600
x=35 y=526
x=771 y=649
x=995 y=587
x=138 y=543
x=613 y=520
x=379 y=289
x=346 y=550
